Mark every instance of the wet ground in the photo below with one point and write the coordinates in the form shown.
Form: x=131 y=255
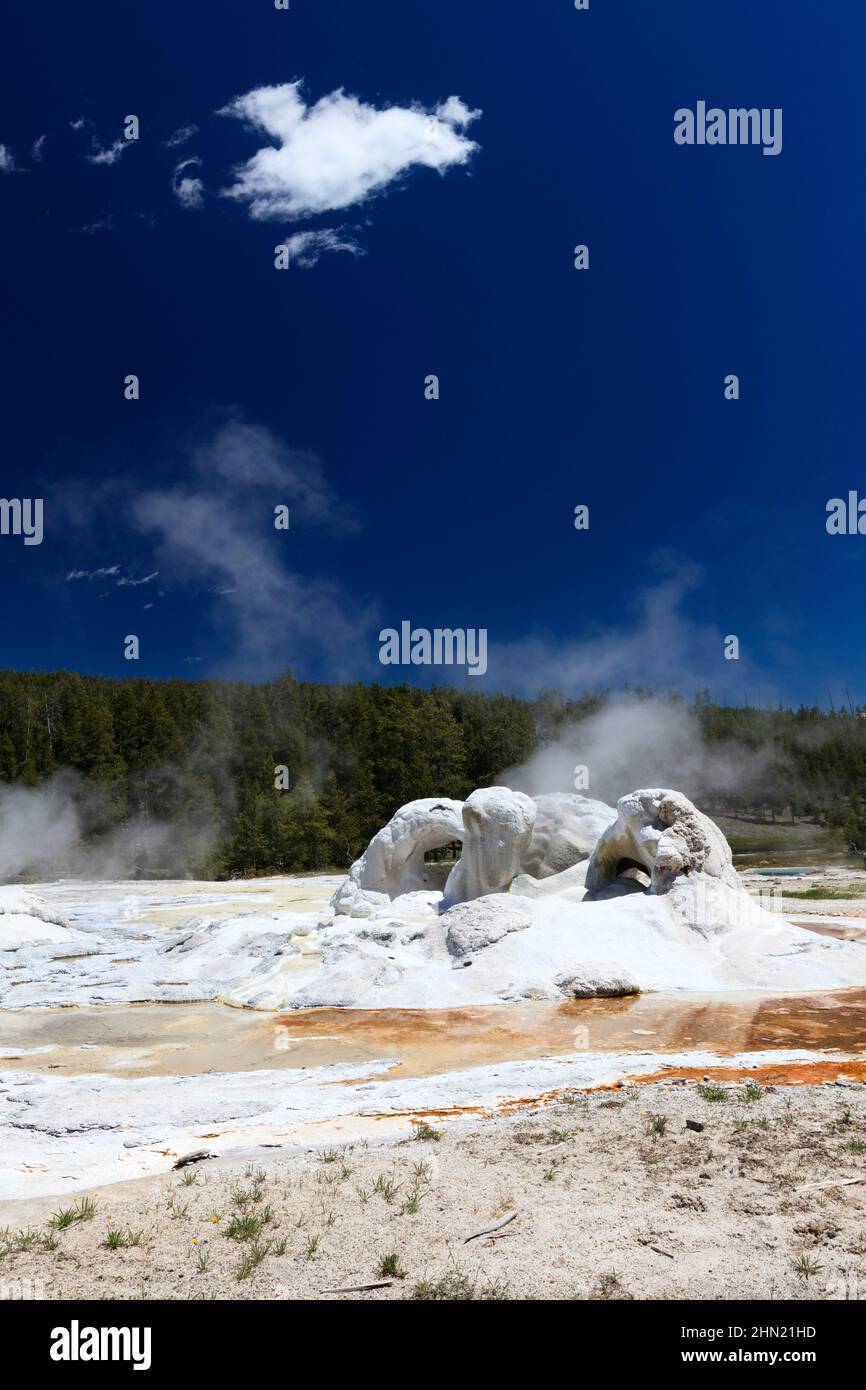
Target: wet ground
x=186 y=1040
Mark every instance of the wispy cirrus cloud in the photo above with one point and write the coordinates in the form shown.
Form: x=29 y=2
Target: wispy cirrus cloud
x=100 y=154
x=205 y=540
x=180 y=136
x=186 y=186
x=305 y=248
x=127 y=582
x=115 y=572
x=109 y=154
x=107 y=572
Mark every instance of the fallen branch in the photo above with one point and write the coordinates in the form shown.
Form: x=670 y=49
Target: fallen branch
x=503 y=1221
x=834 y=1182
x=361 y=1288
x=647 y=1240
x=198 y=1156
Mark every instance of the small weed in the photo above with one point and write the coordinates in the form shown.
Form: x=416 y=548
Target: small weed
x=246 y=1227
x=713 y=1093
x=425 y=1131
x=386 y=1187
x=253 y=1256
x=121 y=1240
x=85 y=1210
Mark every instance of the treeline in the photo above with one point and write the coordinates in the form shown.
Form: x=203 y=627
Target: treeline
x=178 y=777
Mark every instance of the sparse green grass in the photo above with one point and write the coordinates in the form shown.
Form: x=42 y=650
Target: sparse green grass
x=425 y=1131
x=245 y=1197
x=752 y=1091
x=713 y=1093
x=856 y=1146
x=820 y=894
x=576 y=1098
x=805 y=1266
x=559 y=1136
x=251 y=1257
x=389 y=1267
x=83 y=1210
x=657 y=1126
x=312 y=1246
x=248 y=1226
x=607 y=1285
x=121 y=1240
x=386 y=1187
x=457 y=1287
x=23 y=1240
x=203 y=1260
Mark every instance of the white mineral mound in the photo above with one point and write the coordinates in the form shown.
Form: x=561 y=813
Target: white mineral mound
x=26 y=920
x=658 y=906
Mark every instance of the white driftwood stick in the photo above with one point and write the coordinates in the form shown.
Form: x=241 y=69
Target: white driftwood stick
x=834 y=1182
x=503 y=1221
x=361 y=1288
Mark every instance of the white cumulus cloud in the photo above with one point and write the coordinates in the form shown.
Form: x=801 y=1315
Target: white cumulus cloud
x=341 y=150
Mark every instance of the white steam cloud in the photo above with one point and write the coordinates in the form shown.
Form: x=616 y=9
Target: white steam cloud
x=632 y=743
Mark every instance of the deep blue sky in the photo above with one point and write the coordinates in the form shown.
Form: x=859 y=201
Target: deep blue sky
x=558 y=387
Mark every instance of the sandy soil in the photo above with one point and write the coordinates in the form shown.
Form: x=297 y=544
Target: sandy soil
x=611 y=1203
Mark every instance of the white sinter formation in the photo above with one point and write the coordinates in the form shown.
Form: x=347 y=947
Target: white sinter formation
x=664 y=834
x=393 y=862
x=525 y=914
